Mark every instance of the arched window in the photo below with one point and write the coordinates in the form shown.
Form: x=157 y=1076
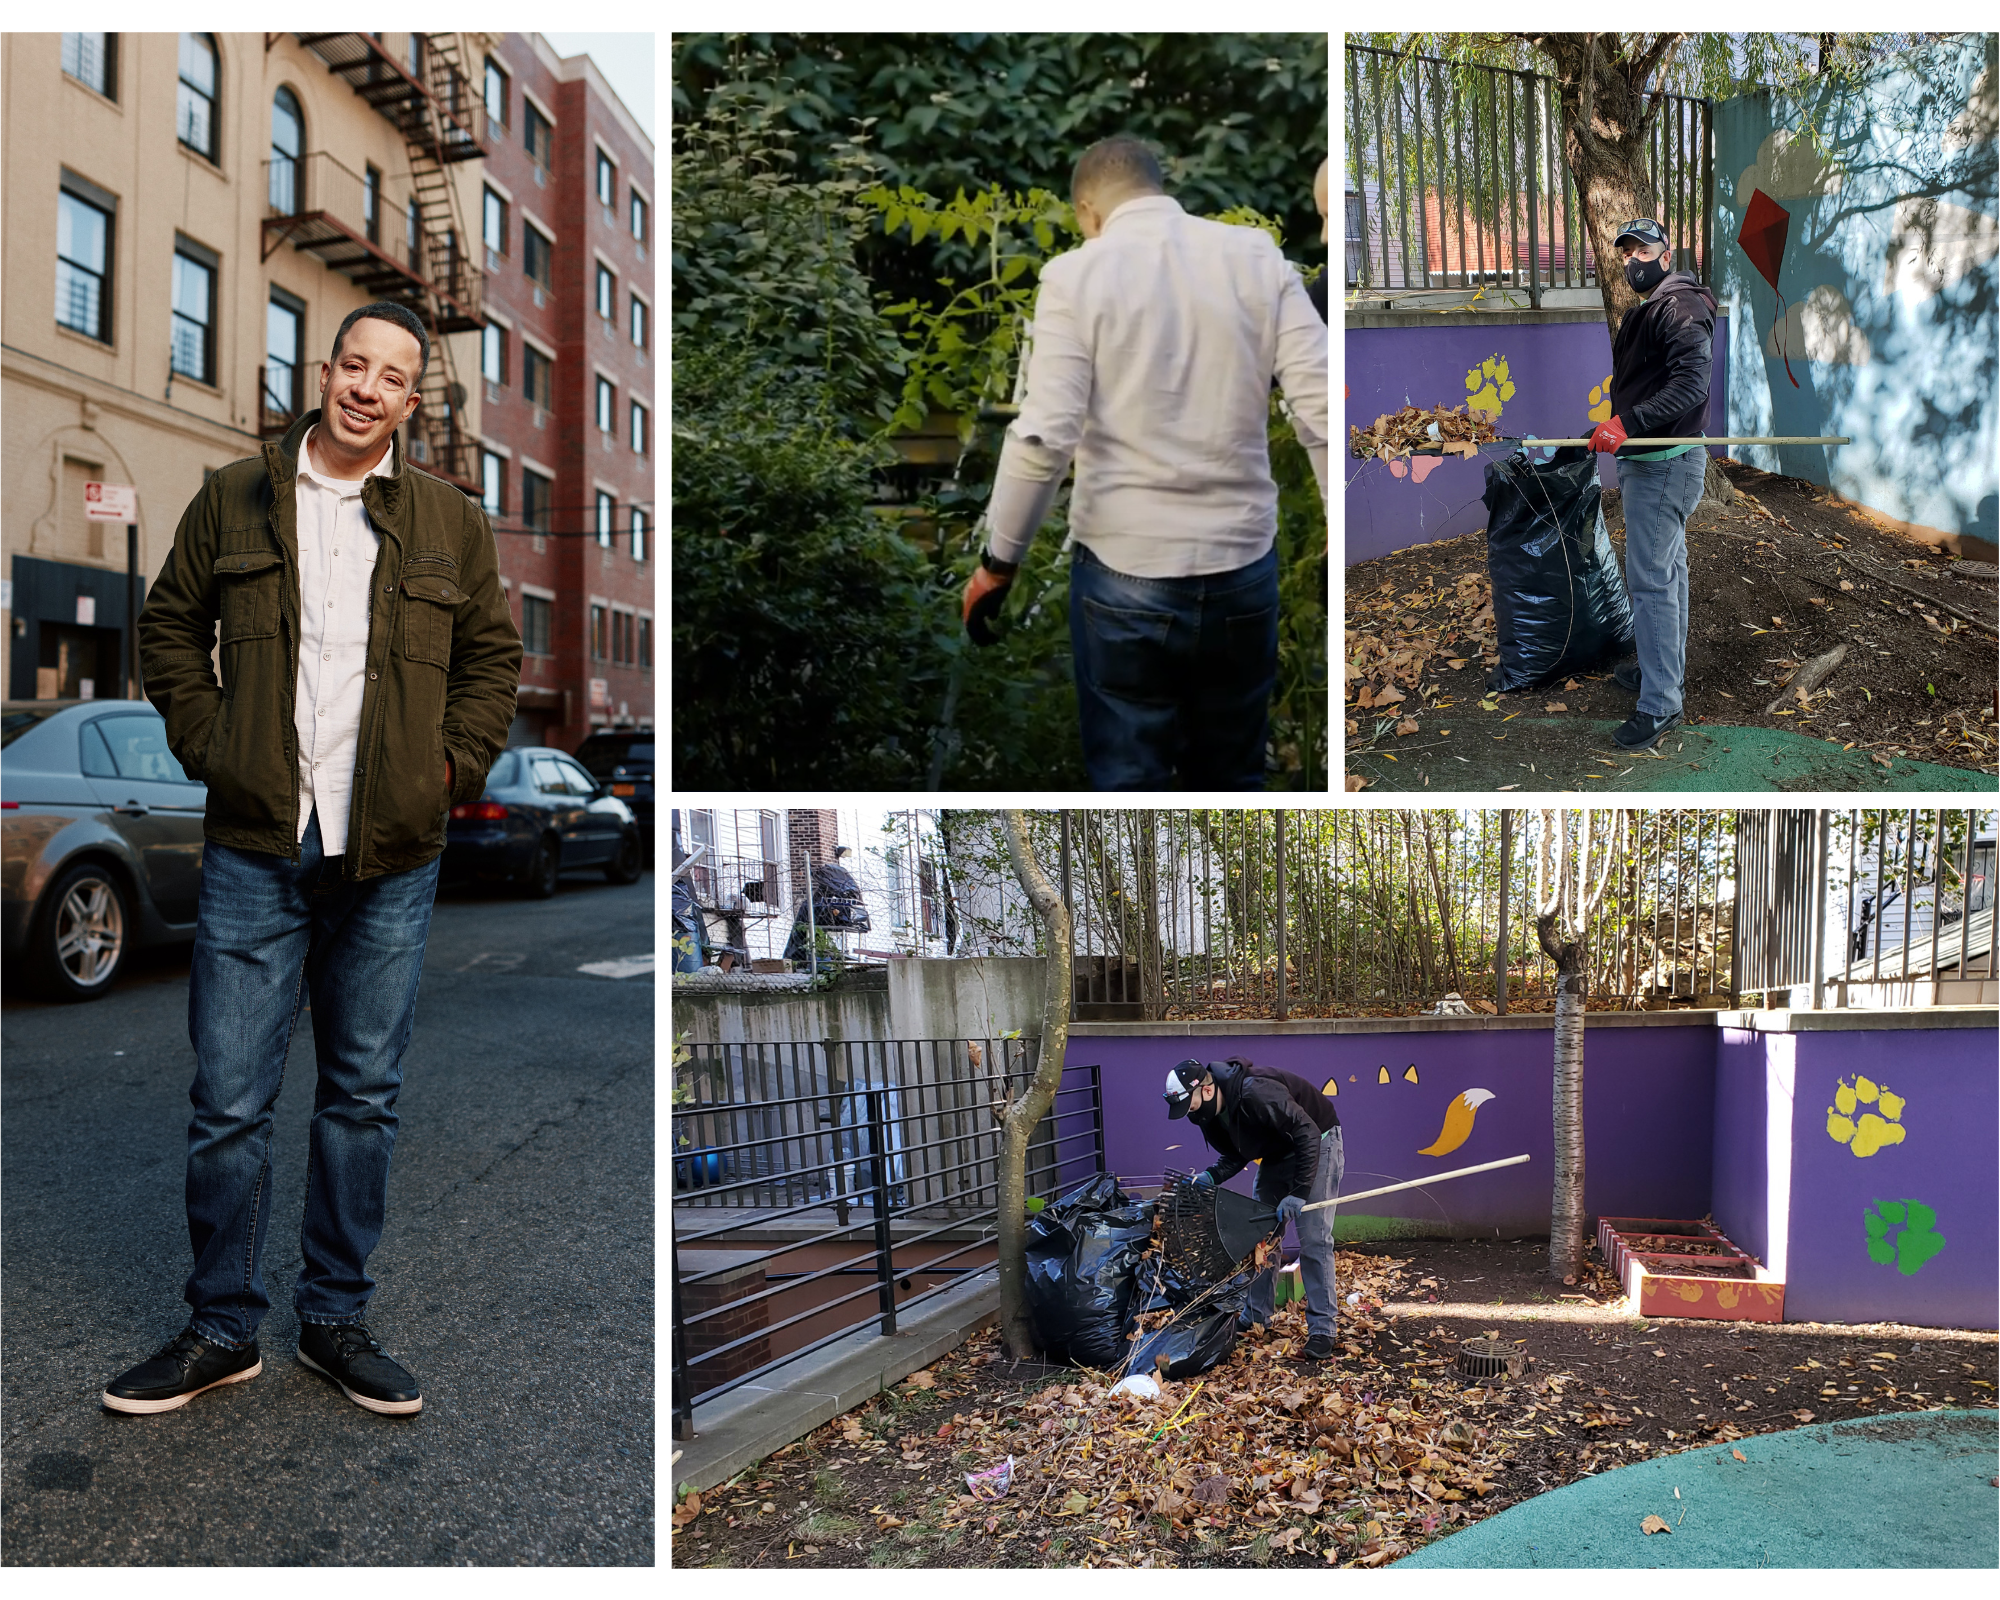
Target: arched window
x=288 y=147
x=194 y=109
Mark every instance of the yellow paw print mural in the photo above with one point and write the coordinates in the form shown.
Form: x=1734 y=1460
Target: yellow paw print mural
x=1600 y=401
x=1488 y=386
x=1874 y=1129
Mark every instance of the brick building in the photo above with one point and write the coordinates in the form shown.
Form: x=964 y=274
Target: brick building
x=566 y=227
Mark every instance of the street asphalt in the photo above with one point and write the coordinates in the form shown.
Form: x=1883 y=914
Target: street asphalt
x=515 y=1276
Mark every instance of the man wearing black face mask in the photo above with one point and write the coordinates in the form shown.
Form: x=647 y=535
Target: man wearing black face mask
x=1659 y=389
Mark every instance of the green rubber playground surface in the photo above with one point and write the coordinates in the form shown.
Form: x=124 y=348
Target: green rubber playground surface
x=1576 y=754
x=1911 y=1490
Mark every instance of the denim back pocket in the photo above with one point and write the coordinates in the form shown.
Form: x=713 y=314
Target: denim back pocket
x=1128 y=652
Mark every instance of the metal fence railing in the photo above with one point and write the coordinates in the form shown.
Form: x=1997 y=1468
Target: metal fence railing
x=1456 y=177
x=887 y=1149
x=1215 y=914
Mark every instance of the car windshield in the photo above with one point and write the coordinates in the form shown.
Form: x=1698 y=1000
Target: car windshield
x=16 y=723
x=600 y=756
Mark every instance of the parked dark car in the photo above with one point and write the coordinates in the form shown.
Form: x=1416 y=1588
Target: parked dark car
x=542 y=815
x=100 y=840
x=624 y=759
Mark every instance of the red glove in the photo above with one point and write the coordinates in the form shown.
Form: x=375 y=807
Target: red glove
x=1609 y=435
x=985 y=593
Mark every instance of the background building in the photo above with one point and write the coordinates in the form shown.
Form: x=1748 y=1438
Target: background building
x=189 y=219
x=566 y=429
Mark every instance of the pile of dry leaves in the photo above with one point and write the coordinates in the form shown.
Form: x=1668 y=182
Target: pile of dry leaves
x=1394 y=641
x=1397 y=433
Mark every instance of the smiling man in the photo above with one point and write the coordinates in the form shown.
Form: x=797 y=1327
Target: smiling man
x=370 y=666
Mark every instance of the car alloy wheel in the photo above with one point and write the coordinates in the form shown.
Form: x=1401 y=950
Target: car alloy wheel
x=630 y=862
x=84 y=934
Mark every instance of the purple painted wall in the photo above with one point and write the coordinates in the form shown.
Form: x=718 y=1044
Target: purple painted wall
x=1649 y=1093
x=1553 y=367
x=1946 y=1161
x=1748 y=1081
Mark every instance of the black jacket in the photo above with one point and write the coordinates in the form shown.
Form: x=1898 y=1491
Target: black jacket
x=1660 y=361
x=1268 y=1115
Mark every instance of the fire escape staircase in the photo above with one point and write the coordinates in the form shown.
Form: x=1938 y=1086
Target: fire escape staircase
x=442 y=123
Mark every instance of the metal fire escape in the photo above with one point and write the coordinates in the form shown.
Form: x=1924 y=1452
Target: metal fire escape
x=442 y=122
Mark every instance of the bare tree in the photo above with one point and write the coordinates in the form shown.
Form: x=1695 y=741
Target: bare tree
x=1565 y=902
x=1021 y=1114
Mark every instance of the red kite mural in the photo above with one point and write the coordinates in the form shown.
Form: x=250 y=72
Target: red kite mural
x=1762 y=239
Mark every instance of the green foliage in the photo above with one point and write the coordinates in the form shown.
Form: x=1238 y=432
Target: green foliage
x=807 y=635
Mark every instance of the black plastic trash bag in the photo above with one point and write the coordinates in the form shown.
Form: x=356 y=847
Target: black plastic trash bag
x=1083 y=1253
x=1559 y=600
x=1189 y=1347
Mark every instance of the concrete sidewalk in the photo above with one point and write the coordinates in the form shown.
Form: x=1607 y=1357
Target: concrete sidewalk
x=745 y=1425
x=1911 y=1490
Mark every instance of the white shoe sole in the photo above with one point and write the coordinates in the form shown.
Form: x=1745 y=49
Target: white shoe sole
x=388 y=1408
x=149 y=1408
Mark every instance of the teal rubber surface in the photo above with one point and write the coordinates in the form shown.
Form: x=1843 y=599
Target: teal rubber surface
x=1910 y=1490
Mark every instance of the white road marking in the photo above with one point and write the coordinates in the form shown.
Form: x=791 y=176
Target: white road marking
x=624 y=967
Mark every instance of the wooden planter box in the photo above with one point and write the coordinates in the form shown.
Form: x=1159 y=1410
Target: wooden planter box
x=1716 y=1281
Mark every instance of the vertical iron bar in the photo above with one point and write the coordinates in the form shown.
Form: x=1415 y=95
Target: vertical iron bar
x=1909 y=887
x=1423 y=201
x=1532 y=145
x=885 y=1247
x=683 y=1385
x=1357 y=155
x=1500 y=946
x=1937 y=897
x=1381 y=163
x=1097 y=1113
x=1965 y=889
x=1458 y=166
x=1279 y=858
x=1403 y=186
x=1875 y=932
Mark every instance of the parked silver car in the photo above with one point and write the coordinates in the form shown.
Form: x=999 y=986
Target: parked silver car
x=100 y=840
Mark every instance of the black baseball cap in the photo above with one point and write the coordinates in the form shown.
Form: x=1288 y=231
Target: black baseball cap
x=1182 y=1081
x=1644 y=229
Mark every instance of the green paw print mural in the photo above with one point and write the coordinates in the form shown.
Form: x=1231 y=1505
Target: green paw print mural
x=1901 y=1231
x=1871 y=1131
x=1488 y=386
x=1600 y=400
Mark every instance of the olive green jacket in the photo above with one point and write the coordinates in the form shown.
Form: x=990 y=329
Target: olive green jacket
x=444 y=658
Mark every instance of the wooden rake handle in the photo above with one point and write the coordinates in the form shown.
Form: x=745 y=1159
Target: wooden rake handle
x=1413 y=1183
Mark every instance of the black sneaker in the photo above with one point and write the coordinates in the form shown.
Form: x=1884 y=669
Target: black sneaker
x=1317 y=1348
x=1642 y=732
x=350 y=1355
x=182 y=1368
x=1626 y=675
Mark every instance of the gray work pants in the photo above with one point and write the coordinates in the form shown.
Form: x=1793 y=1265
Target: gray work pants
x=1659 y=497
x=1315 y=1231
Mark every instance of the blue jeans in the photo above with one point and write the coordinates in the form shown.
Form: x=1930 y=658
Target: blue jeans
x=1174 y=675
x=1659 y=498
x=1315 y=1230
x=269 y=930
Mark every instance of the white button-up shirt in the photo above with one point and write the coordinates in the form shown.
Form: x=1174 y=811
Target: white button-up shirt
x=337 y=550
x=1153 y=352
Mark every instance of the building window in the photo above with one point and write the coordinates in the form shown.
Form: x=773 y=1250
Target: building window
x=288 y=144
x=535 y=133
x=605 y=507
x=638 y=429
x=536 y=615
x=638 y=322
x=194 y=111
x=416 y=58
x=607 y=181
x=492 y=483
x=92 y=59
x=493 y=353
x=536 y=378
x=638 y=217
x=638 y=534
x=599 y=645
x=537 y=256
x=606 y=397
x=535 y=500
x=413 y=226
x=496 y=94
x=607 y=292
x=83 y=265
x=494 y=228
x=194 y=312
x=646 y=644
x=284 y=360
x=371 y=204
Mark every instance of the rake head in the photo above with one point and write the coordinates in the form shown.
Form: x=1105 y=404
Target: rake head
x=1206 y=1233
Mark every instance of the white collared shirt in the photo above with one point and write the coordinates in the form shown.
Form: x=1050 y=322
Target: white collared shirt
x=337 y=550
x=1154 y=347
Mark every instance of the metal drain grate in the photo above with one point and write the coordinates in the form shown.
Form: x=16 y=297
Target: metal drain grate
x=1489 y=1358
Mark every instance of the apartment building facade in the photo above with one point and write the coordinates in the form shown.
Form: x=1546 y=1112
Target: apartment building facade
x=190 y=217
x=566 y=446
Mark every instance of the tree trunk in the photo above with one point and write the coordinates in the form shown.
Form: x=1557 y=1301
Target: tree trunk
x=1017 y=1124
x=1602 y=81
x=1566 y=1214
